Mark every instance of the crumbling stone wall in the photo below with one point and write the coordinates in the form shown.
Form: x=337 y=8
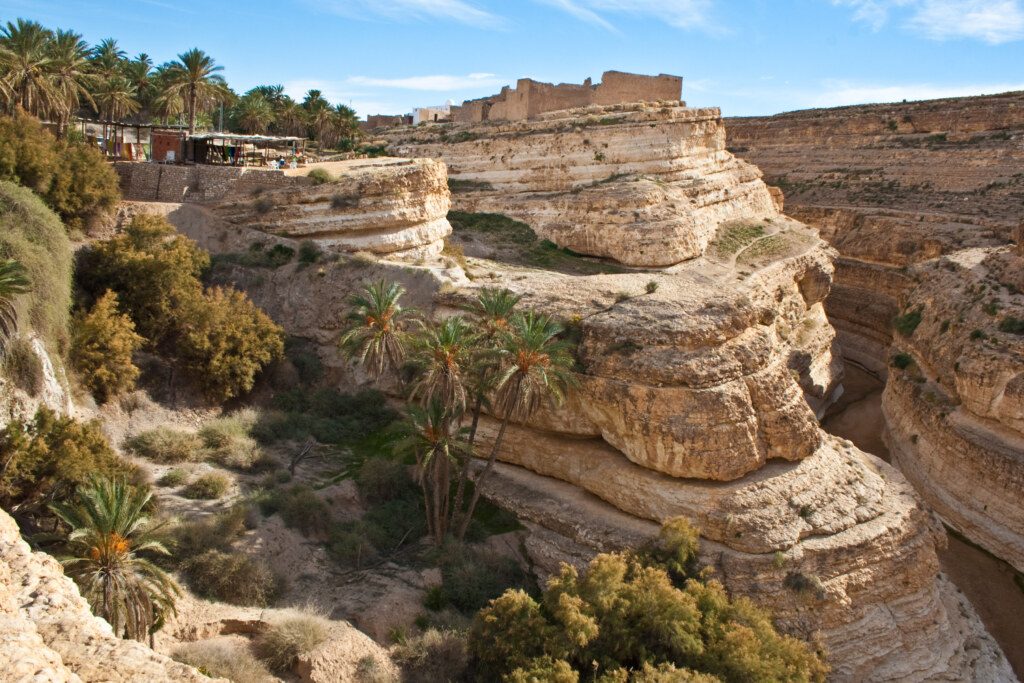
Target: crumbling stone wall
x=149 y=182
x=531 y=98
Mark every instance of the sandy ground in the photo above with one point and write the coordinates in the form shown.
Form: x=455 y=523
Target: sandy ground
x=987 y=581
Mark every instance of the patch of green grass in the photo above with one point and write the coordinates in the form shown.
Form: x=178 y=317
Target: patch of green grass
x=320 y=176
x=1011 y=324
x=258 y=256
x=458 y=185
x=906 y=324
x=519 y=244
x=732 y=238
x=770 y=247
x=207 y=487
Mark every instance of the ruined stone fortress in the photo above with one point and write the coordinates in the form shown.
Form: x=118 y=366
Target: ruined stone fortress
x=531 y=98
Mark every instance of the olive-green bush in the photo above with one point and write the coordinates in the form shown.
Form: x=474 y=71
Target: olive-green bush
x=102 y=344
x=639 y=613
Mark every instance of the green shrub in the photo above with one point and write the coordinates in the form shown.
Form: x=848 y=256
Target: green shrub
x=902 y=361
x=258 y=256
x=651 y=287
x=232 y=577
x=305 y=359
x=978 y=334
x=432 y=657
x=471 y=578
x=228 y=443
x=214 y=532
x=33 y=235
x=320 y=176
x=906 y=324
x=166 y=445
x=1012 y=325
x=46 y=458
x=395 y=524
x=223 y=660
x=300 y=508
x=103 y=342
x=209 y=486
x=625 y=614
x=288 y=637
x=174 y=477
x=227 y=342
x=327 y=415
x=309 y=252
x=381 y=480
x=71 y=177
x=349 y=546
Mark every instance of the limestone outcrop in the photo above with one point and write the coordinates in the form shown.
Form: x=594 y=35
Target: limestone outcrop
x=922 y=201
x=955 y=412
x=646 y=185
x=49 y=634
x=698 y=390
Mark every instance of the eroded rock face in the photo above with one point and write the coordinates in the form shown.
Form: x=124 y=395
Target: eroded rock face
x=49 y=634
x=396 y=207
x=922 y=201
x=646 y=185
x=956 y=412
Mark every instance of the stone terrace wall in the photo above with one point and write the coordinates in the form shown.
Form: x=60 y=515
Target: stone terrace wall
x=149 y=182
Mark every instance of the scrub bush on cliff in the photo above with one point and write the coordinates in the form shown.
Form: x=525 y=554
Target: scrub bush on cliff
x=627 y=616
x=102 y=343
x=220 y=336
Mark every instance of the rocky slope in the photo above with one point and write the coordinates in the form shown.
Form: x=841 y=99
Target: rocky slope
x=646 y=185
x=49 y=634
x=698 y=391
x=922 y=201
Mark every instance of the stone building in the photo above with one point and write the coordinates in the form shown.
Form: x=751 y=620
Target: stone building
x=431 y=114
x=531 y=98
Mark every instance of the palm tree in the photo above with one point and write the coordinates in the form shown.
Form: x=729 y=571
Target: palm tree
x=428 y=436
x=138 y=72
x=115 y=99
x=107 y=58
x=194 y=76
x=375 y=335
x=70 y=77
x=26 y=64
x=13 y=281
x=109 y=532
x=253 y=113
x=444 y=355
x=536 y=366
x=290 y=118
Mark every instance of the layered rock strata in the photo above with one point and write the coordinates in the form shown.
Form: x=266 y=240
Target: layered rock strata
x=955 y=411
x=921 y=200
x=394 y=207
x=698 y=391
x=646 y=185
x=49 y=634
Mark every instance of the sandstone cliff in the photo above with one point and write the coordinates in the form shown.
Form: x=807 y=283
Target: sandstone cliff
x=646 y=185
x=49 y=634
x=921 y=200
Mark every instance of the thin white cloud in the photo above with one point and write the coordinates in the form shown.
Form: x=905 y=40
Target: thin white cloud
x=991 y=21
x=840 y=93
x=437 y=83
x=459 y=11
x=689 y=14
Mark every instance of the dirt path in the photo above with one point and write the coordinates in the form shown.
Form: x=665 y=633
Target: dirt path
x=988 y=582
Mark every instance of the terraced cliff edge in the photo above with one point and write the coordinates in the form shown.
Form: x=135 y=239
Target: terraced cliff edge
x=644 y=184
x=924 y=202
x=699 y=385
x=49 y=634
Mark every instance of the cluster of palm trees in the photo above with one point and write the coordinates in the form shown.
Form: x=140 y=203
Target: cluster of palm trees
x=495 y=359
x=13 y=282
x=267 y=109
x=55 y=75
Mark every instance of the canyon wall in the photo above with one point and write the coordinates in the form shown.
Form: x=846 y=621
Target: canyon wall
x=646 y=185
x=922 y=201
x=49 y=634
x=698 y=387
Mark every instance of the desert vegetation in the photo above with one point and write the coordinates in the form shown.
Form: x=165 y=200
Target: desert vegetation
x=56 y=75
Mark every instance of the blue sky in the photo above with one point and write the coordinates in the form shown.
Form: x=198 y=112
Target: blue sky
x=746 y=56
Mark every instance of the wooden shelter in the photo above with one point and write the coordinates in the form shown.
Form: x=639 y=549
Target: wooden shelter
x=237 y=149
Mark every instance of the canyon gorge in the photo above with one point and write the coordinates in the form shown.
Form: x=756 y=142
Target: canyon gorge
x=727 y=286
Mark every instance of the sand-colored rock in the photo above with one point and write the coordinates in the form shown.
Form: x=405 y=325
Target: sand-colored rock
x=49 y=634
x=644 y=184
